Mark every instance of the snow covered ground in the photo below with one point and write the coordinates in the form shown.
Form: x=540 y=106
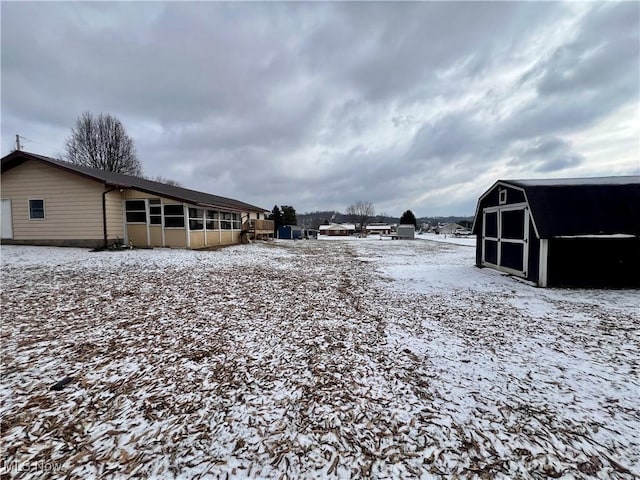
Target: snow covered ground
x=311 y=359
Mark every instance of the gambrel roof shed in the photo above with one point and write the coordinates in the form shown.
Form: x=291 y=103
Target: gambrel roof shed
x=562 y=231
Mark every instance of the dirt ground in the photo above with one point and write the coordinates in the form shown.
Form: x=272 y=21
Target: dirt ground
x=310 y=359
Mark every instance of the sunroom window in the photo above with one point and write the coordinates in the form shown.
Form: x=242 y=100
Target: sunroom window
x=212 y=220
x=136 y=211
x=173 y=216
x=155 y=211
x=196 y=218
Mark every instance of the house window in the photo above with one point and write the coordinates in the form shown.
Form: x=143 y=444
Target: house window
x=225 y=223
x=155 y=211
x=196 y=218
x=36 y=209
x=136 y=211
x=502 y=197
x=212 y=220
x=235 y=218
x=173 y=216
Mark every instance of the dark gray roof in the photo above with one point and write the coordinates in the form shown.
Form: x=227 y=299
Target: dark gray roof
x=128 y=181
x=578 y=206
x=565 y=182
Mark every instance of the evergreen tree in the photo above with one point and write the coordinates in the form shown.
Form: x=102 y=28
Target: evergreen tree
x=277 y=217
x=408 y=218
x=289 y=215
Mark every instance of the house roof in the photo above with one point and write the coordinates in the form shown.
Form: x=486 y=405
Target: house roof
x=128 y=181
x=579 y=206
x=338 y=226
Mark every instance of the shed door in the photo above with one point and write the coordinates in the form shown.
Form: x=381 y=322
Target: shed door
x=505 y=238
x=5 y=219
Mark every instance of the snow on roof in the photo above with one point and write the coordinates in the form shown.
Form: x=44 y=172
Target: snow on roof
x=338 y=226
x=561 y=182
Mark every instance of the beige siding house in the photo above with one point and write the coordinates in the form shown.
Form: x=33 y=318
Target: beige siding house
x=51 y=202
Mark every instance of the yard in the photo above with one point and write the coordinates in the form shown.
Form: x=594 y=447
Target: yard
x=346 y=359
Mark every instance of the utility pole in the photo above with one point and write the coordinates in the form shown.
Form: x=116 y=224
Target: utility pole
x=17 y=142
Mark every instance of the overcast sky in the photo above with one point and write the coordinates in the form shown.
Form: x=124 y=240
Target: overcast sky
x=416 y=106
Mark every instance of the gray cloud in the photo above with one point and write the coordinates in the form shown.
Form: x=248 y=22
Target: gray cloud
x=411 y=105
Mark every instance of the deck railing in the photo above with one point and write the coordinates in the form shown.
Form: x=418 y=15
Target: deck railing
x=258 y=228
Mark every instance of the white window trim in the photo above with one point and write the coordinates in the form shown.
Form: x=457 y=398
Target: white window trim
x=502 y=196
x=44 y=209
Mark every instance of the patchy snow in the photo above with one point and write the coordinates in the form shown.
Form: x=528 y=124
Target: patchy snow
x=312 y=359
x=468 y=240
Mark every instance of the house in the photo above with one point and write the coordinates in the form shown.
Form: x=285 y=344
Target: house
x=291 y=232
x=406 y=232
x=562 y=232
x=51 y=202
x=377 y=228
x=448 y=228
x=337 y=230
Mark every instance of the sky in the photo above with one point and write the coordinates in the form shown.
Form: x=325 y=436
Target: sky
x=419 y=106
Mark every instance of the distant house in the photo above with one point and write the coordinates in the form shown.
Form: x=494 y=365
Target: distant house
x=51 y=202
x=337 y=229
x=448 y=228
x=562 y=232
x=377 y=228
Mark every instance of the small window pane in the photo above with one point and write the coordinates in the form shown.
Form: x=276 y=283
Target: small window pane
x=174 y=210
x=212 y=214
x=225 y=225
x=155 y=220
x=174 y=222
x=196 y=224
x=136 y=217
x=135 y=205
x=36 y=209
x=154 y=201
x=196 y=213
x=155 y=210
x=212 y=225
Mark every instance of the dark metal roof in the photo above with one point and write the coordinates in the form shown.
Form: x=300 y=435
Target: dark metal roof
x=128 y=181
x=580 y=206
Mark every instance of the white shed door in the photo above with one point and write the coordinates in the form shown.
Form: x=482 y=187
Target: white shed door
x=5 y=219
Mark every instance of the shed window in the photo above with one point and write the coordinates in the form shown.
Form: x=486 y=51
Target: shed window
x=502 y=197
x=155 y=211
x=136 y=211
x=196 y=219
x=36 y=209
x=173 y=216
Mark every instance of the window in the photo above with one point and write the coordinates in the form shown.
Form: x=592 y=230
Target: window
x=502 y=197
x=235 y=217
x=155 y=211
x=36 y=209
x=196 y=218
x=225 y=223
x=212 y=220
x=136 y=211
x=173 y=216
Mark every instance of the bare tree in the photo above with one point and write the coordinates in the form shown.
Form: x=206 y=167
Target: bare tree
x=167 y=181
x=360 y=212
x=101 y=142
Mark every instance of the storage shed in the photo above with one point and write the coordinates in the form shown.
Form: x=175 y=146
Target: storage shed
x=562 y=232
x=290 y=232
x=406 y=232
